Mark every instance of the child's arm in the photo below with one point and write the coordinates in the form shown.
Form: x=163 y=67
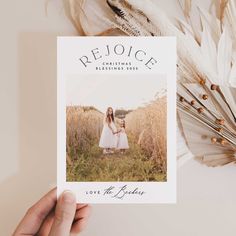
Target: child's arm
x=118 y=131
x=111 y=128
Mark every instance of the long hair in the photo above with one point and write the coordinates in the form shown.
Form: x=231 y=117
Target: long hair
x=109 y=117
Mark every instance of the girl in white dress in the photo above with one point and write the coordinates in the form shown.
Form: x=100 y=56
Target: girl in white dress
x=108 y=139
x=122 y=144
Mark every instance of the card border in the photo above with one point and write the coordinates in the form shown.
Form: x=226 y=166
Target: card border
x=158 y=192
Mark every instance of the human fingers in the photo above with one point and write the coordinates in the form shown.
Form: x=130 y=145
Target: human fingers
x=36 y=214
x=81 y=219
x=64 y=214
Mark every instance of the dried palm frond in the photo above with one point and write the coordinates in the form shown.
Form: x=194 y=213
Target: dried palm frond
x=89 y=17
x=206 y=48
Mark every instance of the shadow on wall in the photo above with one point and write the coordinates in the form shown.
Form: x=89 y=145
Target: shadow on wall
x=37 y=127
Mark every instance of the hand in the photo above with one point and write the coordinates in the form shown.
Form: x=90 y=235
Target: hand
x=54 y=218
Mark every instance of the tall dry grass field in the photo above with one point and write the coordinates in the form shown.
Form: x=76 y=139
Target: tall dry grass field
x=83 y=129
x=148 y=127
x=145 y=160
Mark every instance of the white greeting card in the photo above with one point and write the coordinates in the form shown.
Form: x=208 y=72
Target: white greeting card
x=116 y=140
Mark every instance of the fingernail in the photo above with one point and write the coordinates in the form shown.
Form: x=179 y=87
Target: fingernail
x=68 y=196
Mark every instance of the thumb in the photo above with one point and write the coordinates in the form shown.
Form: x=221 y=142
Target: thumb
x=64 y=215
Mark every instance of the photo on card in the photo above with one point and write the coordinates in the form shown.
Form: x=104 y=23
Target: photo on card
x=116 y=128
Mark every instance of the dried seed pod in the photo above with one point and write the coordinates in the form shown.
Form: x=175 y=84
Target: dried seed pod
x=200 y=110
x=223 y=142
x=219 y=129
x=220 y=121
x=214 y=87
x=213 y=140
x=202 y=81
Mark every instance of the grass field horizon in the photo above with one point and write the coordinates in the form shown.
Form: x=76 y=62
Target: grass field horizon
x=145 y=160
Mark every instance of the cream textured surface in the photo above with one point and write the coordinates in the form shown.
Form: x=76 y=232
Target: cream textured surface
x=206 y=196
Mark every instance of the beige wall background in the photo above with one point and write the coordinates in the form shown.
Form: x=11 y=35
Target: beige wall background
x=206 y=196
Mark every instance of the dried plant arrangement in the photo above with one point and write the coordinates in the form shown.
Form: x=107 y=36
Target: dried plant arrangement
x=206 y=66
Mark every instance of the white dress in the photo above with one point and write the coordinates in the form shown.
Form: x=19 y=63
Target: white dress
x=122 y=140
x=108 y=139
